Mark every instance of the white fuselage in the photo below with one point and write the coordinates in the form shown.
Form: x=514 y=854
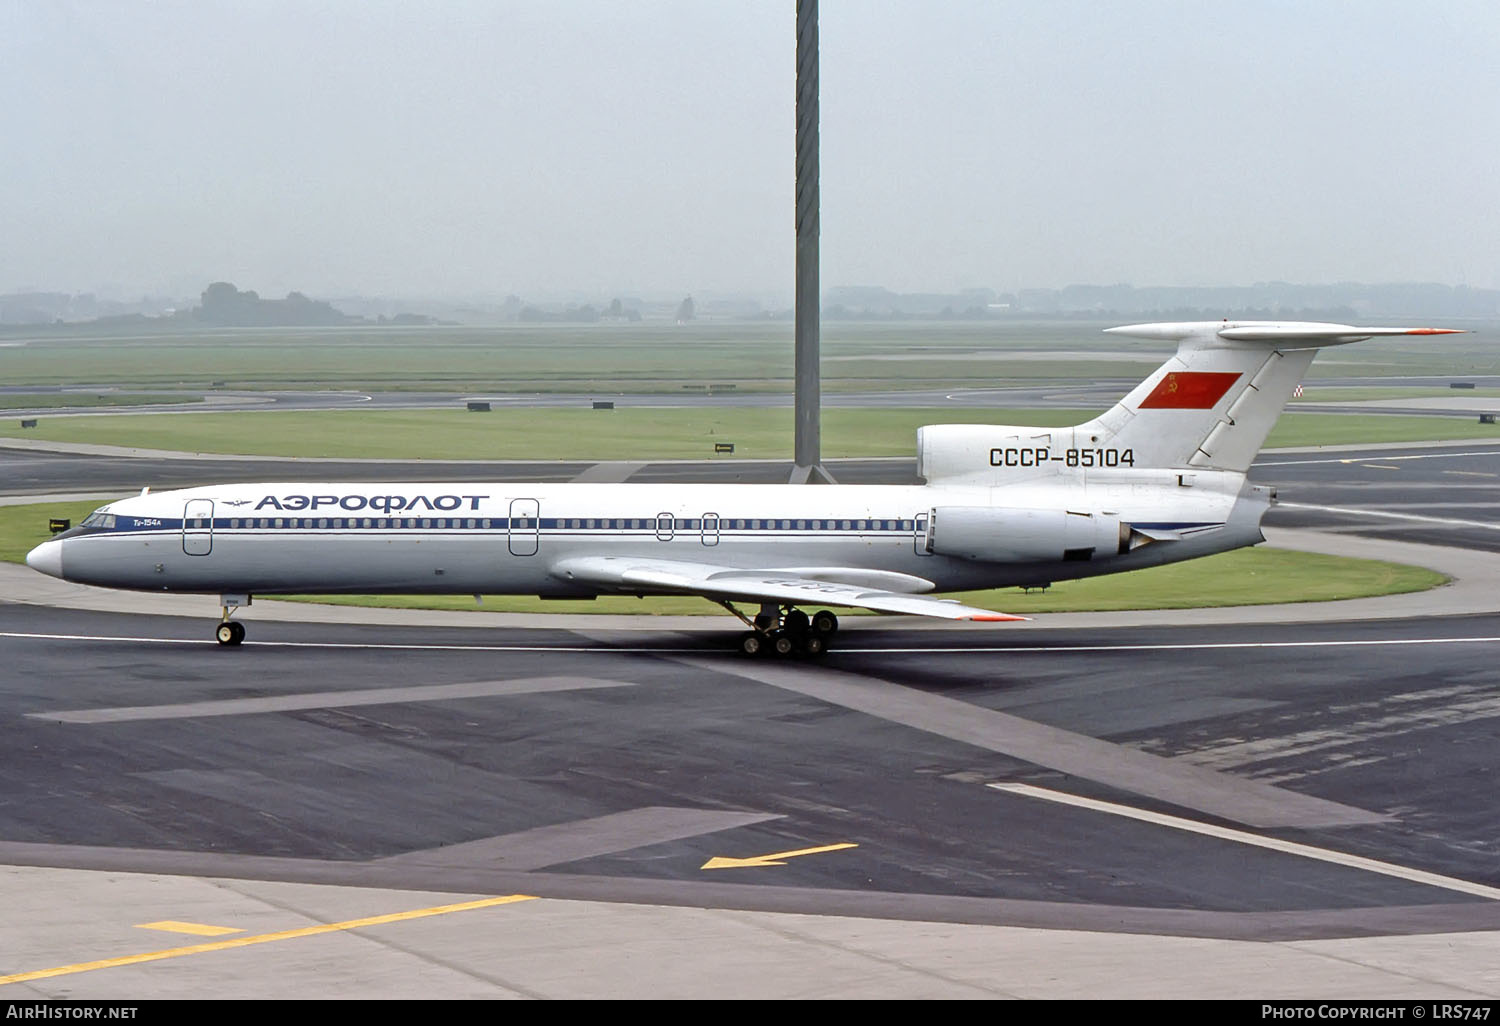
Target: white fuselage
x=510 y=538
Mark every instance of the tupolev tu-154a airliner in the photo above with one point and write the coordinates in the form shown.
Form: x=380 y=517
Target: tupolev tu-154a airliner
x=1159 y=478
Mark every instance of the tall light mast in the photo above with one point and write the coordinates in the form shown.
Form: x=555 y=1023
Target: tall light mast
x=807 y=445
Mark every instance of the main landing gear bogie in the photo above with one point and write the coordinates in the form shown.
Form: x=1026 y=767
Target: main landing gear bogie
x=784 y=633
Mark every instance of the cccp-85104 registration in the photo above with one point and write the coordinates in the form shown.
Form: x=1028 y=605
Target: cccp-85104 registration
x=1041 y=457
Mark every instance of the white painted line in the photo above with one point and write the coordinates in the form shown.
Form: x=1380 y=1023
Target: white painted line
x=1197 y=646
x=334 y=644
x=936 y=650
x=1382 y=456
x=1242 y=837
x=329 y=700
x=1447 y=522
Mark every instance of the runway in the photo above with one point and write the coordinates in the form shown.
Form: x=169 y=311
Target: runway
x=378 y=805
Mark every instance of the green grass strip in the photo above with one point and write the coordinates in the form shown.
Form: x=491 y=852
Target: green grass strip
x=632 y=433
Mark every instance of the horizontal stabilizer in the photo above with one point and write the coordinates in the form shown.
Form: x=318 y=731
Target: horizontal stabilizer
x=1311 y=333
x=1323 y=334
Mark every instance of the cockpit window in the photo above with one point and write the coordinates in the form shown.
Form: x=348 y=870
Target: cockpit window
x=98 y=518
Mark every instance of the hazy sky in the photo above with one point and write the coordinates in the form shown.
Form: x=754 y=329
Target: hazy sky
x=645 y=147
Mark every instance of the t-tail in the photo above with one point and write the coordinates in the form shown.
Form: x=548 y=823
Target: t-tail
x=1208 y=408
x=1213 y=404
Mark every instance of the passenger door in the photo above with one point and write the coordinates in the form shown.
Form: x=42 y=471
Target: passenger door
x=198 y=527
x=525 y=527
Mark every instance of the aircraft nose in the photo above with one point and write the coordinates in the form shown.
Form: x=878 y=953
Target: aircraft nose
x=46 y=557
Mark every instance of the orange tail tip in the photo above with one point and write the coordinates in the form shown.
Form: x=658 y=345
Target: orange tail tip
x=1435 y=331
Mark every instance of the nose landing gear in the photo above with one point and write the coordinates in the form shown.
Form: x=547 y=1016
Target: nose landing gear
x=230 y=632
x=785 y=631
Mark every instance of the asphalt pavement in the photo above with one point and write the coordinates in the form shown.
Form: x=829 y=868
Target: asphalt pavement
x=1280 y=801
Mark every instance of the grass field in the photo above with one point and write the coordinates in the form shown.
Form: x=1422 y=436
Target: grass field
x=643 y=357
x=1247 y=577
x=753 y=356
x=518 y=433
x=640 y=433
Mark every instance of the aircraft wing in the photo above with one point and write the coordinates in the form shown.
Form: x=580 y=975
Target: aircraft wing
x=833 y=586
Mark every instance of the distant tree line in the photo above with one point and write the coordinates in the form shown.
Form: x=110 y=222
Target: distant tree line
x=222 y=303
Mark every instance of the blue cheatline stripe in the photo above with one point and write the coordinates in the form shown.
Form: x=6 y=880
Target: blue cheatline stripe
x=612 y=525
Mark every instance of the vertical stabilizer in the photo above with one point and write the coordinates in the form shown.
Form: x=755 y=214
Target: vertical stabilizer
x=1212 y=405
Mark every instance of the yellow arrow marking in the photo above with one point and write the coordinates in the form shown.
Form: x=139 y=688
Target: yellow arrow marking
x=264 y=938
x=198 y=929
x=769 y=860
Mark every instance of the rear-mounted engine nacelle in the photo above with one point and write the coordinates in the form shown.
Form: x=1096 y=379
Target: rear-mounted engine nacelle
x=997 y=535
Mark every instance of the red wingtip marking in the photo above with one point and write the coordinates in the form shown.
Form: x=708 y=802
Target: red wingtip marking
x=998 y=618
x=1436 y=331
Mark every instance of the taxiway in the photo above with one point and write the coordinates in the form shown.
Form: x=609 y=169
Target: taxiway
x=395 y=804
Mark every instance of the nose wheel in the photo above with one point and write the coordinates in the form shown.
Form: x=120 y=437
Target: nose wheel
x=230 y=632
x=785 y=632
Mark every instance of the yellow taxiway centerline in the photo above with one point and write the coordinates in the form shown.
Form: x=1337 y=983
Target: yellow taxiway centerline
x=263 y=938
